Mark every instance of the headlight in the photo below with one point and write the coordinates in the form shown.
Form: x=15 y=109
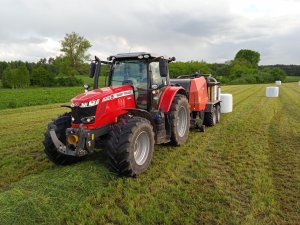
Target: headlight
x=88 y=120
x=89 y=104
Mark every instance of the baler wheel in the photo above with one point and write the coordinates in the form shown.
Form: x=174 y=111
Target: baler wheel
x=210 y=118
x=130 y=146
x=61 y=124
x=218 y=114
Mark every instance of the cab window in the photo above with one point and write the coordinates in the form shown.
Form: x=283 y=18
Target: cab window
x=156 y=78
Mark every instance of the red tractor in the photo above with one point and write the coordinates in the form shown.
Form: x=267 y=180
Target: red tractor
x=140 y=107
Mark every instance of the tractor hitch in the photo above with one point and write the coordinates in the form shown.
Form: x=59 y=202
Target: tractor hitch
x=79 y=141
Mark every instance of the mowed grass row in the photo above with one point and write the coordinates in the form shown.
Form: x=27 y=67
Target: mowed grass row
x=245 y=170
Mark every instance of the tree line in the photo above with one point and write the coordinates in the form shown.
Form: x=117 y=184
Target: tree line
x=243 y=69
x=290 y=70
x=64 y=69
x=59 y=71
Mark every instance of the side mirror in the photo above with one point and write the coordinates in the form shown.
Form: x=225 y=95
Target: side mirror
x=92 y=69
x=163 y=68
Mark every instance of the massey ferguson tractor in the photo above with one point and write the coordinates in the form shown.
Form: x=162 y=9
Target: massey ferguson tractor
x=141 y=106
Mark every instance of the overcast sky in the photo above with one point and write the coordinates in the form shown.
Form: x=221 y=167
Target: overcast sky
x=212 y=31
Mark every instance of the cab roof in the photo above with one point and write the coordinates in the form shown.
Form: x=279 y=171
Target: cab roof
x=137 y=55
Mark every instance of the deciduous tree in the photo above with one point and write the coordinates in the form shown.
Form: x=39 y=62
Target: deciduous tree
x=247 y=56
x=75 y=49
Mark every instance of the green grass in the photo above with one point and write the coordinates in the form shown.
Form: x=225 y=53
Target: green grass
x=245 y=170
x=292 y=79
x=15 y=98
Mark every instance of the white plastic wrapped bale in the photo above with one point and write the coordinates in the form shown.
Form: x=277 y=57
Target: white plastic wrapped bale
x=272 y=91
x=299 y=83
x=278 y=82
x=226 y=103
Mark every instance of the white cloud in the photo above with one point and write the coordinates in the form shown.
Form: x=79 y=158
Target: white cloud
x=190 y=30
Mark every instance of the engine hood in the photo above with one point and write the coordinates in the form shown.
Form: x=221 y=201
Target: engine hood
x=99 y=94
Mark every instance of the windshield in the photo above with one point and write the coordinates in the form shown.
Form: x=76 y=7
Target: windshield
x=129 y=72
x=132 y=72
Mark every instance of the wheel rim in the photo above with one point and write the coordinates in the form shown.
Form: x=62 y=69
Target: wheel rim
x=182 y=121
x=141 y=148
x=218 y=114
x=215 y=117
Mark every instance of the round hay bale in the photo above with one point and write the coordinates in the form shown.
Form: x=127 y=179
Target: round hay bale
x=272 y=91
x=226 y=103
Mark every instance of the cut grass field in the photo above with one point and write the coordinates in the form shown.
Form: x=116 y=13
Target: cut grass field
x=15 y=98
x=245 y=170
x=292 y=79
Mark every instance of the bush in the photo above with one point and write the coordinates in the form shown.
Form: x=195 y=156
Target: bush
x=41 y=77
x=188 y=68
x=16 y=78
x=68 y=81
x=12 y=104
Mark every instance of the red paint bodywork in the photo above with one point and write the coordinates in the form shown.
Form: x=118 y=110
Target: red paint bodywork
x=167 y=97
x=107 y=111
x=198 y=96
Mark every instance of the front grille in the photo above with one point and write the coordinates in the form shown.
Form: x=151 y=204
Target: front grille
x=79 y=113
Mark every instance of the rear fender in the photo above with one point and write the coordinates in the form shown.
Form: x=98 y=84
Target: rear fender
x=167 y=97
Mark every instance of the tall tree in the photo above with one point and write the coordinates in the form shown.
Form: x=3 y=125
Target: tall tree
x=23 y=78
x=246 y=56
x=6 y=77
x=16 y=78
x=75 y=49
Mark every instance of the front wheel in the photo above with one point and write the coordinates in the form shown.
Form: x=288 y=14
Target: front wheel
x=60 y=123
x=130 y=146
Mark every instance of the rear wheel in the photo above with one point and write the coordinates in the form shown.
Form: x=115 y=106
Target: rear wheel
x=180 y=120
x=130 y=146
x=210 y=118
x=60 y=123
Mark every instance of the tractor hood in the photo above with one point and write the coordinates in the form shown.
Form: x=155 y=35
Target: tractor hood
x=97 y=96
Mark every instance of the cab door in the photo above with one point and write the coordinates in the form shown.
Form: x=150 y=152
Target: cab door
x=157 y=84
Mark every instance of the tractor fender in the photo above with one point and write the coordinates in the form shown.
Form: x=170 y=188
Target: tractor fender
x=144 y=114
x=167 y=97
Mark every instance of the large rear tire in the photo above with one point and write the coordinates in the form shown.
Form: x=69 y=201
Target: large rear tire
x=180 y=120
x=130 y=146
x=61 y=123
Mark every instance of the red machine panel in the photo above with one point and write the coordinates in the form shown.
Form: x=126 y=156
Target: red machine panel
x=198 y=96
x=111 y=102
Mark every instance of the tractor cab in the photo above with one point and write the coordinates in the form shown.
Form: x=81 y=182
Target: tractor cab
x=145 y=72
